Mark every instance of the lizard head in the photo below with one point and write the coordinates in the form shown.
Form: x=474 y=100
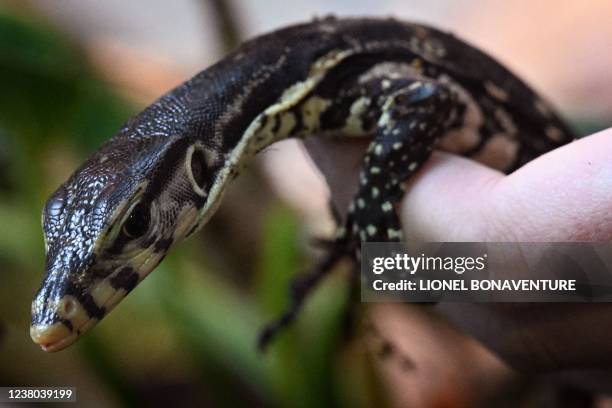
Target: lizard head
x=111 y=224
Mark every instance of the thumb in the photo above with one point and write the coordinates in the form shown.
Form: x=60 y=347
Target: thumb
x=564 y=195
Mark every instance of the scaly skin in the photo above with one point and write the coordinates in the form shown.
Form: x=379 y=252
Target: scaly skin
x=409 y=87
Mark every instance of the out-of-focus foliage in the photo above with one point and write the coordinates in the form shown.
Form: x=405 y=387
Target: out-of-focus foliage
x=187 y=334
x=50 y=94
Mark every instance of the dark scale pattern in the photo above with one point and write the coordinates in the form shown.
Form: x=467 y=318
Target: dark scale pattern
x=163 y=244
x=87 y=301
x=431 y=82
x=126 y=279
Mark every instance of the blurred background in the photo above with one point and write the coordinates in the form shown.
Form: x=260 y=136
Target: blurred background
x=72 y=71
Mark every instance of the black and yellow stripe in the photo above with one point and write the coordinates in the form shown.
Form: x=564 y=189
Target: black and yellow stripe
x=409 y=87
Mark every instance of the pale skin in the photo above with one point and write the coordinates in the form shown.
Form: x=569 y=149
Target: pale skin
x=565 y=195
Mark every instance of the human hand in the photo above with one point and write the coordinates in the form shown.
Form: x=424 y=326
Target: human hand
x=565 y=195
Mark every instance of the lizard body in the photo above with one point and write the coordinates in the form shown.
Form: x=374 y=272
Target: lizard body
x=409 y=87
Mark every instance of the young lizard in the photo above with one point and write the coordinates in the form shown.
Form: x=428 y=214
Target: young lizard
x=408 y=87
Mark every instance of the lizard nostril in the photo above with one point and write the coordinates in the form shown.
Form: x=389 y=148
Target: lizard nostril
x=68 y=307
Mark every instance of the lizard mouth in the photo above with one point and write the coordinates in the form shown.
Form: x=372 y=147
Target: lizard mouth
x=75 y=320
x=59 y=335
x=56 y=336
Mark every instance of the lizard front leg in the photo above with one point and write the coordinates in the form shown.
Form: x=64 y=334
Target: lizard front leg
x=413 y=114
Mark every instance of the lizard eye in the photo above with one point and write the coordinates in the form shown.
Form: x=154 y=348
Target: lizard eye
x=137 y=222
